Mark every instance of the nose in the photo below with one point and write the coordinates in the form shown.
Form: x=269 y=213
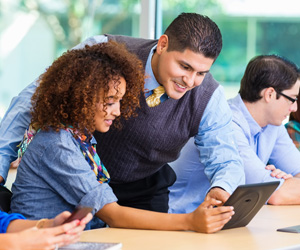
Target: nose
x=190 y=79
x=116 y=110
x=294 y=107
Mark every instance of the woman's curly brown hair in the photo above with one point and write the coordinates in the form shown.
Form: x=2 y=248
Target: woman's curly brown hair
x=70 y=88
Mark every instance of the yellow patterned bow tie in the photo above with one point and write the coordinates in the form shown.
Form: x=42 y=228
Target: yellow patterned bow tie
x=154 y=99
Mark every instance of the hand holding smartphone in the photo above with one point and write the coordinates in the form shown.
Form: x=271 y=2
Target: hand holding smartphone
x=79 y=213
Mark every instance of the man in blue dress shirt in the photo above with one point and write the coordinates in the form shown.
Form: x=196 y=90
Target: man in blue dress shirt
x=268 y=94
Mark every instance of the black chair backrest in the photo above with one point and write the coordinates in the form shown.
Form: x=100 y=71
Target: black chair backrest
x=5 y=198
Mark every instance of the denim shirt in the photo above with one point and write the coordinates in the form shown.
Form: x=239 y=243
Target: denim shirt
x=53 y=176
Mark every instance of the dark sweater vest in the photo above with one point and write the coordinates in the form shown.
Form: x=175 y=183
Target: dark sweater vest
x=156 y=136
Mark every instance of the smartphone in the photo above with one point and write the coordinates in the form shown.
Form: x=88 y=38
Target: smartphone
x=79 y=213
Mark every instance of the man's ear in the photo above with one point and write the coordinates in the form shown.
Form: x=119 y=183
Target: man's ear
x=162 y=44
x=268 y=94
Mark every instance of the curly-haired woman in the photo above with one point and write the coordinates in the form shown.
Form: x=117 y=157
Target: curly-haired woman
x=80 y=93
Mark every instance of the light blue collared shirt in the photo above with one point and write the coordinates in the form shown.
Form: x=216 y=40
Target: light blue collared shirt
x=218 y=163
x=150 y=81
x=261 y=146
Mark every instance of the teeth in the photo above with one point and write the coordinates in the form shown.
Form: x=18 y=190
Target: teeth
x=180 y=86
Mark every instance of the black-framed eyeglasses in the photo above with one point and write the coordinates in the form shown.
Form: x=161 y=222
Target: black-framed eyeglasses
x=288 y=97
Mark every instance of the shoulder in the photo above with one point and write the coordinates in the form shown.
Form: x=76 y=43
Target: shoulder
x=206 y=89
x=53 y=139
x=130 y=40
x=209 y=82
x=236 y=105
x=238 y=110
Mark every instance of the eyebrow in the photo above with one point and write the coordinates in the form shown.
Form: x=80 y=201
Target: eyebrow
x=113 y=96
x=190 y=66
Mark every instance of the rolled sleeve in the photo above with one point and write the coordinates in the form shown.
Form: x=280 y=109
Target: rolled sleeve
x=13 y=126
x=72 y=177
x=216 y=143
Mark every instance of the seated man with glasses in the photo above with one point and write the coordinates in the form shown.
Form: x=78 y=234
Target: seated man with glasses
x=268 y=94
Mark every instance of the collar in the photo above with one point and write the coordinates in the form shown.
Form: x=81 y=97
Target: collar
x=150 y=81
x=254 y=127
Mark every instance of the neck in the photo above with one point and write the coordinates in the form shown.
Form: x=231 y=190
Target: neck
x=256 y=109
x=154 y=65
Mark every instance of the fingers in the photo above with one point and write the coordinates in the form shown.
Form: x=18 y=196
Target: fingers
x=62 y=229
x=270 y=167
x=59 y=219
x=219 y=224
x=277 y=173
x=280 y=174
x=78 y=229
x=15 y=163
x=86 y=219
x=287 y=176
x=65 y=239
x=210 y=220
x=211 y=203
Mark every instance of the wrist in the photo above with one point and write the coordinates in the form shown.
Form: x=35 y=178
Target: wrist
x=189 y=222
x=217 y=187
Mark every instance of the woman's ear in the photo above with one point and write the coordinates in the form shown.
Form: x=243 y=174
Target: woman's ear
x=162 y=44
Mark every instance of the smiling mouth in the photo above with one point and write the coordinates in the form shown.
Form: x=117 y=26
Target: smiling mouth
x=109 y=121
x=180 y=86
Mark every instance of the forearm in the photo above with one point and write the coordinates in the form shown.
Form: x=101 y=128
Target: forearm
x=297 y=175
x=287 y=194
x=125 y=217
x=20 y=225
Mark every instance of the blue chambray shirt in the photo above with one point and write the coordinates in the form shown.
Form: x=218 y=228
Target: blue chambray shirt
x=53 y=176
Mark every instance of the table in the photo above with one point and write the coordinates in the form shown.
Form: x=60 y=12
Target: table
x=260 y=233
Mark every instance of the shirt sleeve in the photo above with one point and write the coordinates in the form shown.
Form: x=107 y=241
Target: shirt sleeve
x=285 y=155
x=68 y=173
x=216 y=144
x=254 y=167
x=13 y=126
x=5 y=219
x=17 y=118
